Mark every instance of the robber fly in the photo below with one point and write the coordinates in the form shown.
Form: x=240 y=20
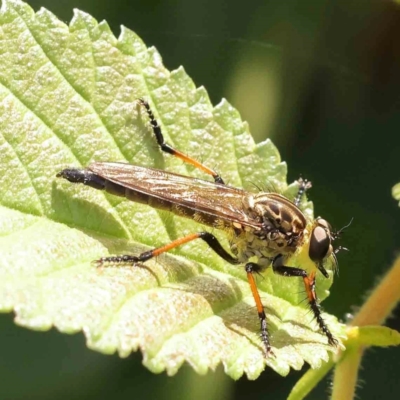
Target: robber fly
x=266 y=228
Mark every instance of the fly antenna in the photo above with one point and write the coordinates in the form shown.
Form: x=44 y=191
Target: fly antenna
x=346 y=226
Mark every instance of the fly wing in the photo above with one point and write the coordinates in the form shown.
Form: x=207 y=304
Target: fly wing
x=221 y=201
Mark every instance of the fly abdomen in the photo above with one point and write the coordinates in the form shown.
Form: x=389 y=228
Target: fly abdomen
x=95 y=181
x=83 y=176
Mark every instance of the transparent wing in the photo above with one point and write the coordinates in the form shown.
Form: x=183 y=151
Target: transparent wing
x=221 y=201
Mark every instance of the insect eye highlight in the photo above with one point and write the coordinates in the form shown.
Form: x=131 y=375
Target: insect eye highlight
x=324 y=223
x=319 y=244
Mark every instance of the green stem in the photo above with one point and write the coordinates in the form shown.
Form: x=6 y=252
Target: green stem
x=382 y=300
x=374 y=311
x=346 y=375
x=309 y=381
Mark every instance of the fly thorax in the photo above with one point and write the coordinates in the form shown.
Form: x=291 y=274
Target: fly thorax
x=248 y=246
x=280 y=225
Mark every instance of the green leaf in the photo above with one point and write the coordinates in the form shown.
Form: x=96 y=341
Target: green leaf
x=380 y=336
x=68 y=97
x=396 y=191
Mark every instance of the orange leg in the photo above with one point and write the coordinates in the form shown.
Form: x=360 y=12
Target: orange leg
x=250 y=269
x=309 y=284
x=170 y=150
x=209 y=238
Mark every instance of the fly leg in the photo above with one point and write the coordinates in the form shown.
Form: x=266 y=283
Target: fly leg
x=252 y=268
x=304 y=185
x=209 y=238
x=309 y=284
x=170 y=150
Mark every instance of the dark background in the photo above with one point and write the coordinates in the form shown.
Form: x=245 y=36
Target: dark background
x=321 y=78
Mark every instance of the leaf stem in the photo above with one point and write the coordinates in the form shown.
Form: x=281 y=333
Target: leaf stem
x=374 y=311
x=309 y=381
x=382 y=300
x=346 y=375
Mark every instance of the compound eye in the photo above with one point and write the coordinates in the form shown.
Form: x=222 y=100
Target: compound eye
x=324 y=223
x=319 y=244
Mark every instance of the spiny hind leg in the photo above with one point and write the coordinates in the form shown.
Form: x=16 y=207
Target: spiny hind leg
x=209 y=238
